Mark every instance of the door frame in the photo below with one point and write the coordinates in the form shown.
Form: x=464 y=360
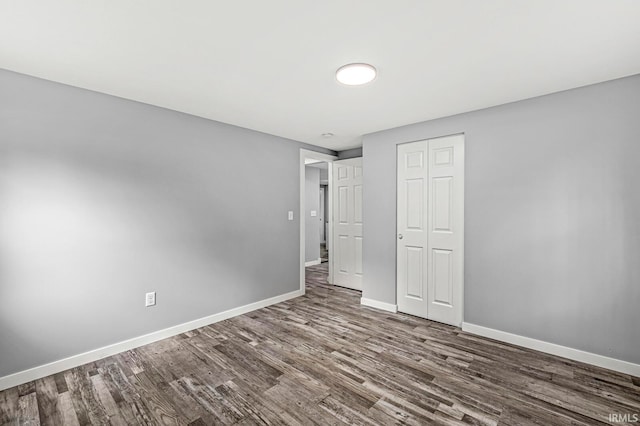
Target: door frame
x=306 y=154
x=462 y=245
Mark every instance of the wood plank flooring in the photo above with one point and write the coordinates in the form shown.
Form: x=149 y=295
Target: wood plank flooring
x=324 y=359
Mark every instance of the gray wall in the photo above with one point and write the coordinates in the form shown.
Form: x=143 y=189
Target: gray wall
x=312 y=224
x=350 y=153
x=103 y=199
x=324 y=174
x=552 y=216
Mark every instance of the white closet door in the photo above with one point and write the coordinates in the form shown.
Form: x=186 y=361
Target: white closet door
x=412 y=228
x=445 y=224
x=430 y=228
x=347 y=223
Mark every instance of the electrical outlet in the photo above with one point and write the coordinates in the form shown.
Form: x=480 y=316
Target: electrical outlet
x=150 y=299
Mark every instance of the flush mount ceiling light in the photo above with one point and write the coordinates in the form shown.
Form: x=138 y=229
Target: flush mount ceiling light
x=356 y=74
x=327 y=135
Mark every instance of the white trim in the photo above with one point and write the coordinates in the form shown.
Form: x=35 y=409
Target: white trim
x=307 y=154
x=313 y=262
x=553 y=349
x=389 y=307
x=96 y=354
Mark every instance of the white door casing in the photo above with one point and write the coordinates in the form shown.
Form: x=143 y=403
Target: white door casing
x=347 y=223
x=431 y=228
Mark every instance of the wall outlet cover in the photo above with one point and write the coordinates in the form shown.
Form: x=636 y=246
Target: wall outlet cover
x=150 y=299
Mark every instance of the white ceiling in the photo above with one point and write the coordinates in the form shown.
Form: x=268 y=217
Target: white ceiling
x=270 y=65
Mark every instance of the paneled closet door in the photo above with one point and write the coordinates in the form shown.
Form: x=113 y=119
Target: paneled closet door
x=411 y=219
x=430 y=227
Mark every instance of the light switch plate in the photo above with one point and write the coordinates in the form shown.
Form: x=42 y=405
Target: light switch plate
x=314 y=213
x=290 y=215
x=150 y=299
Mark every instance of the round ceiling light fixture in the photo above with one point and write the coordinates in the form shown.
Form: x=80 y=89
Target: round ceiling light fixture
x=356 y=74
x=327 y=135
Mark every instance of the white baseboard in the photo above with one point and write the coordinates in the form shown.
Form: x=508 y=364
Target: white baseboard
x=389 y=307
x=553 y=349
x=313 y=262
x=96 y=354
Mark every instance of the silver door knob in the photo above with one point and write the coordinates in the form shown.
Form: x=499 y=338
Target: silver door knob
x=399 y=236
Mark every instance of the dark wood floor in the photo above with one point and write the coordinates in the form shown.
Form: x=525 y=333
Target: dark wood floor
x=324 y=359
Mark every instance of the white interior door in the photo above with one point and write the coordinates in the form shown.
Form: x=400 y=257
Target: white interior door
x=347 y=223
x=430 y=221
x=411 y=217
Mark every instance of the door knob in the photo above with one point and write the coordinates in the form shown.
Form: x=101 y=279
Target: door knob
x=399 y=236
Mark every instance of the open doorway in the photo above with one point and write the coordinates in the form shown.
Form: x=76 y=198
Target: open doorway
x=324 y=220
x=315 y=217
